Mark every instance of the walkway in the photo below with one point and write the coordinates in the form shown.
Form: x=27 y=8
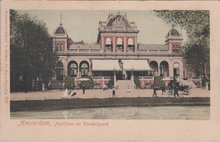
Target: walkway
x=97 y=93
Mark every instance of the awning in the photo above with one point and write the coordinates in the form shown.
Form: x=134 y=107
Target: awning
x=136 y=65
x=105 y=65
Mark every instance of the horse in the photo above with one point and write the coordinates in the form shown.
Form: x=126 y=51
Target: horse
x=157 y=87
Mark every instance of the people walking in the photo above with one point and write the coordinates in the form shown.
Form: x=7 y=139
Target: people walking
x=128 y=90
x=113 y=92
x=84 y=89
x=176 y=88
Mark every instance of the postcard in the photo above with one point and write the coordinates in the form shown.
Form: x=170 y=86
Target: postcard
x=124 y=71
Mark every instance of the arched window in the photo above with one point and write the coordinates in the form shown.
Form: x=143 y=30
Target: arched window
x=58 y=47
x=176 y=70
x=84 y=68
x=61 y=47
x=164 y=68
x=72 y=68
x=119 y=45
x=154 y=66
x=108 y=44
x=130 y=45
x=59 y=71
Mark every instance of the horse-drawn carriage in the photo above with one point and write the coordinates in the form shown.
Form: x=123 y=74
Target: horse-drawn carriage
x=160 y=84
x=184 y=88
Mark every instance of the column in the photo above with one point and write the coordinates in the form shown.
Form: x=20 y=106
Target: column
x=158 y=73
x=170 y=47
x=125 y=44
x=135 y=43
x=132 y=75
x=65 y=44
x=181 y=69
x=114 y=78
x=170 y=69
x=114 y=43
x=65 y=67
x=102 y=43
x=78 y=72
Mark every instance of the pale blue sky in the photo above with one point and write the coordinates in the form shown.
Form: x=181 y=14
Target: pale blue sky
x=83 y=24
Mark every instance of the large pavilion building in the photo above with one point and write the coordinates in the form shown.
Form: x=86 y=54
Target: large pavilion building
x=118 y=55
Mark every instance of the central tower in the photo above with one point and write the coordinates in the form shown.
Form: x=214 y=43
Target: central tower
x=117 y=34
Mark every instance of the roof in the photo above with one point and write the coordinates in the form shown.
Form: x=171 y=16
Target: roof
x=60 y=30
x=117 y=23
x=84 y=46
x=152 y=47
x=173 y=32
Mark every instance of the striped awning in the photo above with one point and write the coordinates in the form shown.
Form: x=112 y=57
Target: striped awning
x=105 y=65
x=136 y=65
x=117 y=65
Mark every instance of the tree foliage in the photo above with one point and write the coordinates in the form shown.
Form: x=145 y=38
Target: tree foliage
x=197 y=25
x=87 y=84
x=32 y=59
x=69 y=82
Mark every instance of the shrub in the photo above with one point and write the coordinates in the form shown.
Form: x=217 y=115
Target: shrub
x=158 y=81
x=111 y=82
x=69 y=82
x=55 y=84
x=137 y=82
x=87 y=84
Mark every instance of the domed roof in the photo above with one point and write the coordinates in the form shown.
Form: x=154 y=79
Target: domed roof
x=60 y=30
x=173 y=32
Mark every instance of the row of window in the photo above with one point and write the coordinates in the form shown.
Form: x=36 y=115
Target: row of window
x=72 y=69
x=59 y=47
x=119 y=48
x=119 y=41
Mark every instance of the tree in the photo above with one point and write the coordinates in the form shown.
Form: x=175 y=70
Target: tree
x=32 y=59
x=69 y=82
x=197 y=25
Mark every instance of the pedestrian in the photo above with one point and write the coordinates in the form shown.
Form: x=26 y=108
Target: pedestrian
x=176 y=88
x=128 y=90
x=66 y=94
x=154 y=90
x=113 y=92
x=84 y=89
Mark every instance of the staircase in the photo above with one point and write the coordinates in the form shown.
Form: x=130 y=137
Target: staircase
x=124 y=84
x=123 y=87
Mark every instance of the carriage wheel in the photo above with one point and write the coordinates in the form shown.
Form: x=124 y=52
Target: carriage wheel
x=187 y=91
x=170 y=92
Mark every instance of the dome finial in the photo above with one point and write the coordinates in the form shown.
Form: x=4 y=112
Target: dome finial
x=60 y=18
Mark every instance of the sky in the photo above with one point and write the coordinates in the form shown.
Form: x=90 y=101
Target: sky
x=83 y=24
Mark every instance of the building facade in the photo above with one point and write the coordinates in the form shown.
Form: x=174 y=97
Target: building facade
x=118 y=55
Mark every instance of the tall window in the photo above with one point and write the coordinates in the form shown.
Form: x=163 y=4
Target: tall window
x=176 y=48
x=61 y=47
x=57 y=47
x=176 y=71
x=108 y=45
x=84 y=68
x=130 y=45
x=154 y=66
x=164 y=68
x=72 y=68
x=59 y=71
x=119 y=45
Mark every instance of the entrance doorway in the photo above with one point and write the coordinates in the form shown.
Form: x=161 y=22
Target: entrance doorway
x=128 y=75
x=119 y=75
